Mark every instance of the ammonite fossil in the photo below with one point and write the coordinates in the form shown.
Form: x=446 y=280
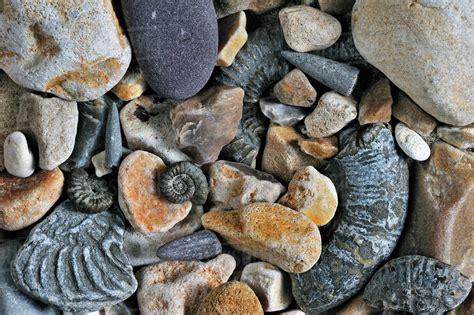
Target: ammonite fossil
x=184 y=181
x=417 y=284
x=89 y=193
x=258 y=64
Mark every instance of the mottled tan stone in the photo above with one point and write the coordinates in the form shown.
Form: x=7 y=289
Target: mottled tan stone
x=440 y=220
x=282 y=156
x=460 y=137
x=232 y=37
x=376 y=104
x=23 y=201
x=295 y=89
x=406 y=111
x=271 y=232
x=320 y=148
x=140 y=198
x=233 y=297
x=132 y=85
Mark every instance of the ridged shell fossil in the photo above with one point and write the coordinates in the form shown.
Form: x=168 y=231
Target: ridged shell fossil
x=75 y=261
x=258 y=64
x=184 y=181
x=417 y=284
x=371 y=179
x=343 y=50
x=89 y=193
x=245 y=147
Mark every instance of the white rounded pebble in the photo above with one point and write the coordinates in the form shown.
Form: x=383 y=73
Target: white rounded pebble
x=18 y=158
x=411 y=143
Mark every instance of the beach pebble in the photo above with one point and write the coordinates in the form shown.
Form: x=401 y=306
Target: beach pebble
x=376 y=104
x=233 y=185
x=281 y=114
x=98 y=161
x=23 y=201
x=174 y=43
x=232 y=37
x=141 y=248
x=271 y=285
x=337 y=7
x=411 y=143
x=430 y=63
x=53 y=124
x=233 y=297
x=60 y=51
x=177 y=287
x=306 y=28
x=140 y=198
x=228 y=7
x=197 y=246
x=460 y=137
x=113 y=138
x=332 y=113
x=313 y=194
x=271 y=232
x=320 y=148
x=406 y=111
x=146 y=125
x=18 y=158
x=207 y=122
x=295 y=89
x=282 y=156
x=132 y=85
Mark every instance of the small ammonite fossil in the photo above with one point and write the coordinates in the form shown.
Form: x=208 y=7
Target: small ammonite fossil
x=89 y=193
x=184 y=181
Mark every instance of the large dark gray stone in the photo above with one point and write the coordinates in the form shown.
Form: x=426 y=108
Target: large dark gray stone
x=175 y=43
x=371 y=180
x=417 y=284
x=75 y=261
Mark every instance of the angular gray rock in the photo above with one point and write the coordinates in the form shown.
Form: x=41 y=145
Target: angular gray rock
x=430 y=61
x=280 y=113
x=113 y=138
x=60 y=51
x=417 y=284
x=197 y=246
x=175 y=43
x=371 y=178
x=75 y=261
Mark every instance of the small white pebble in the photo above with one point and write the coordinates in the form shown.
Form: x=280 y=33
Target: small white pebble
x=412 y=143
x=18 y=159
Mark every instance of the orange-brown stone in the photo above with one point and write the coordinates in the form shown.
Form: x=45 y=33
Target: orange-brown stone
x=295 y=89
x=376 y=104
x=405 y=110
x=320 y=148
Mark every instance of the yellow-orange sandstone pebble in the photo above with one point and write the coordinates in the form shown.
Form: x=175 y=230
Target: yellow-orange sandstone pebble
x=320 y=148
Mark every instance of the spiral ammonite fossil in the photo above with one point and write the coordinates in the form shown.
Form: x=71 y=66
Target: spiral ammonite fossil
x=184 y=181
x=89 y=193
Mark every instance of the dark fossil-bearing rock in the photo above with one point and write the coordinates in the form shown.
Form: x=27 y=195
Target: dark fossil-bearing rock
x=75 y=261
x=184 y=181
x=343 y=50
x=197 y=246
x=371 y=179
x=89 y=193
x=258 y=64
x=245 y=146
x=417 y=284
x=113 y=138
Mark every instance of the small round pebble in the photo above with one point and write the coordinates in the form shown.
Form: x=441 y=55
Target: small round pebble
x=18 y=159
x=412 y=143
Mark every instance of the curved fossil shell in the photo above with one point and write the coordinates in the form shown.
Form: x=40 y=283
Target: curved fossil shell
x=75 y=261
x=371 y=180
x=258 y=64
x=89 y=193
x=343 y=50
x=184 y=181
x=417 y=284
x=245 y=147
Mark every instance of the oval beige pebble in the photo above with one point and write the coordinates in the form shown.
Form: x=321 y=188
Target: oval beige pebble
x=140 y=198
x=411 y=143
x=23 y=201
x=271 y=232
x=306 y=28
x=18 y=159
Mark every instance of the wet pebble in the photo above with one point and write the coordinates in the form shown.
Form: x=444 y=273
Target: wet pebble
x=460 y=137
x=295 y=89
x=19 y=161
x=232 y=37
x=411 y=143
x=197 y=246
x=281 y=114
x=376 y=104
x=320 y=148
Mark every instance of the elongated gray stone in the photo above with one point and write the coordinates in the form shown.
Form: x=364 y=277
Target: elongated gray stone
x=113 y=138
x=417 y=284
x=75 y=261
x=12 y=300
x=197 y=246
x=280 y=113
x=338 y=76
x=371 y=178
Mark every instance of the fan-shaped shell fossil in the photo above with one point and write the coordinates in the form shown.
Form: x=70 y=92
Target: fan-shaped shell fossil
x=258 y=64
x=89 y=193
x=184 y=181
x=75 y=261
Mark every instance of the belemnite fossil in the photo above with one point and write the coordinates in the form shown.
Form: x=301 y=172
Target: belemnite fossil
x=371 y=178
